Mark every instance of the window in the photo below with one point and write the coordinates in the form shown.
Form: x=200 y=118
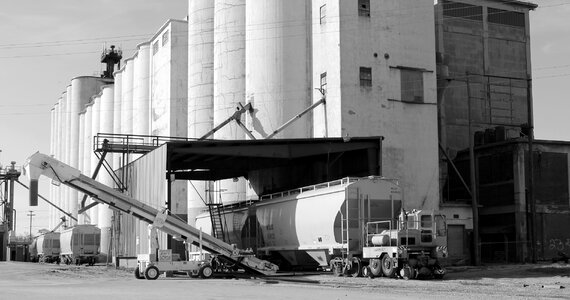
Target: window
x=426 y=221
x=323 y=14
x=324 y=82
x=364 y=8
x=462 y=10
x=165 y=36
x=365 y=76
x=505 y=17
x=412 y=84
x=154 y=48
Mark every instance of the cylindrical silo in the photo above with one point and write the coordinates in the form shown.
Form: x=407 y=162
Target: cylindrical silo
x=52 y=188
x=57 y=148
x=106 y=125
x=141 y=98
x=87 y=152
x=278 y=70
x=229 y=82
x=68 y=130
x=200 y=87
x=127 y=97
x=117 y=103
x=62 y=150
x=95 y=125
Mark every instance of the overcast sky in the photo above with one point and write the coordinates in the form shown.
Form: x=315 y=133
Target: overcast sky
x=44 y=44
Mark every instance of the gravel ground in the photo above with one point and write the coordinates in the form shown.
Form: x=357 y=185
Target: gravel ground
x=45 y=281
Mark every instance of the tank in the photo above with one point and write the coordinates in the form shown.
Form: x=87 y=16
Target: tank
x=127 y=97
x=229 y=84
x=48 y=247
x=304 y=228
x=278 y=69
x=106 y=125
x=80 y=244
x=141 y=97
x=200 y=87
x=87 y=151
x=95 y=128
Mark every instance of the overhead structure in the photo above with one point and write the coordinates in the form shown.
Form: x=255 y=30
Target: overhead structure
x=111 y=57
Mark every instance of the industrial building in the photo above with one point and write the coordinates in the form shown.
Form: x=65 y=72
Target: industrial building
x=414 y=78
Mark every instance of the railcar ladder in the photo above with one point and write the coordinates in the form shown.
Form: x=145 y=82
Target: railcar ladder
x=217 y=220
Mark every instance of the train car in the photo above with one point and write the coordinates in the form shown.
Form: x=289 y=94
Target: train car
x=80 y=244
x=34 y=250
x=47 y=247
x=305 y=228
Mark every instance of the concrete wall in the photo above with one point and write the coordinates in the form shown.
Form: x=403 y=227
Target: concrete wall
x=168 y=80
x=346 y=42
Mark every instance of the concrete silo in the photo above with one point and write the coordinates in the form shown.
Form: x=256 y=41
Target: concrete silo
x=278 y=77
x=87 y=153
x=229 y=83
x=127 y=96
x=79 y=94
x=200 y=87
x=117 y=109
x=141 y=98
x=278 y=68
x=95 y=128
x=106 y=125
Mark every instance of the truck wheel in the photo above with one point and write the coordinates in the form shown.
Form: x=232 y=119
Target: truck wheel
x=138 y=274
x=375 y=267
x=151 y=273
x=388 y=267
x=206 y=272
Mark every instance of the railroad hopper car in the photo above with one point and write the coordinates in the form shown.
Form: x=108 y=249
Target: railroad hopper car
x=80 y=244
x=47 y=247
x=305 y=228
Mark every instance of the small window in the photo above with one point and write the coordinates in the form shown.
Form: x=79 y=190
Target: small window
x=165 y=37
x=412 y=84
x=364 y=8
x=365 y=76
x=323 y=14
x=426 y=221
x=504 y=17
x=323 y=82
x=155 y=48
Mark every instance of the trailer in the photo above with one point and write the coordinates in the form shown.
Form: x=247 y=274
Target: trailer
x=149 y=266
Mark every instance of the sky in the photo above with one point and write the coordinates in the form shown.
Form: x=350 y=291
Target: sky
x=44 y=44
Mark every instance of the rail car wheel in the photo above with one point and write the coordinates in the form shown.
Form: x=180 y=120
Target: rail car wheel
x=407 y=272
x=151 y=273
x=336 y=267
x=138 y=274
x=206 y=272
x=355 y=267
x=388 y=267
x=375 y=267
x=366 y=272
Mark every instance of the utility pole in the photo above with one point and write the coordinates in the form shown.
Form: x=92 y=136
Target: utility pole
x=31 y=215
x=473 y=174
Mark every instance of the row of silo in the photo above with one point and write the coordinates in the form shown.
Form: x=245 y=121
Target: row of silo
x=247 y=52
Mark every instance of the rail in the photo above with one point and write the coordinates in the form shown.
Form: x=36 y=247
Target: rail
x=377 y=230
x=338 y=182
x=132 y=143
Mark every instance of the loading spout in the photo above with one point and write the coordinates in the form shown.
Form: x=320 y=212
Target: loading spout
x=40 y=164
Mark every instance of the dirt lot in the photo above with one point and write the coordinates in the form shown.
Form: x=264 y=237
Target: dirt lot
x=44 y=281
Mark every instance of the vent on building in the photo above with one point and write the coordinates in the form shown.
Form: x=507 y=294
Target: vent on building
x=165 y=37
x=364 y=8
x=323 y=82
x=154 y=48
x=365 y=76
x=323 y=12
x=505 y=17
x=412 y=85
x=462 y=10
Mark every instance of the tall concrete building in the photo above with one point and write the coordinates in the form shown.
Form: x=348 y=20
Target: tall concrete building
x=484 y=71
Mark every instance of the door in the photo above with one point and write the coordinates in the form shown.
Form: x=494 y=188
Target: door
x=456 y=240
